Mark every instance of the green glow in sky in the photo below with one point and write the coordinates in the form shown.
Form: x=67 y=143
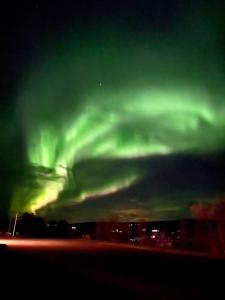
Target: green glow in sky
x=114 y=101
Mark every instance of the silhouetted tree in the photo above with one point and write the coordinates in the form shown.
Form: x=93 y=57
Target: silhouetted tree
x=213 y=213
x=31 y=225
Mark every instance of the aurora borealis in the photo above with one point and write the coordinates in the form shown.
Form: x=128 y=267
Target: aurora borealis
x=122 y=116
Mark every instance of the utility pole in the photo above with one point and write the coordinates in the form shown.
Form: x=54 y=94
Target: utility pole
x=69 y=174
x=14 y=227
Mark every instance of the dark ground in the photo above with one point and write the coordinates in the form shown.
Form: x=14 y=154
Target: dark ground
x=97 y=270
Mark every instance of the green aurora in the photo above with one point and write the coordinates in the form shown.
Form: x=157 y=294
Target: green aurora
x=109 y=99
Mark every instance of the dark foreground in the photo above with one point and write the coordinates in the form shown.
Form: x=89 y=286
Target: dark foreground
x=96 y=270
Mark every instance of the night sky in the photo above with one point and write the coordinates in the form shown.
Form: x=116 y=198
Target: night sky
x=112 y=109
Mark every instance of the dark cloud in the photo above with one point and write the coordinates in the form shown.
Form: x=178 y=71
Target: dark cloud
x=168 y=191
